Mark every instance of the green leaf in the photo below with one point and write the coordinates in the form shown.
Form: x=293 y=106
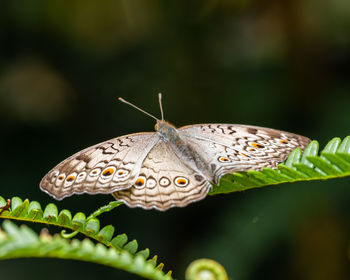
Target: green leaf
x=19 y=207
x=64 y=218
x=23 y=242
x=50 y=213
x=3 y=202
x=131 y=247
x=78 y=221
x=119 y=240
x=106 y=233
x=32 y=211
x=92 y=226
x=294 y=157
x=35 y=211
x=144 y=253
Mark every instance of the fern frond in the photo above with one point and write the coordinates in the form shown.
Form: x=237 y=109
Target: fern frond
x=333 y=162
x=202 y=269
x=90 y=226
x=23 y=242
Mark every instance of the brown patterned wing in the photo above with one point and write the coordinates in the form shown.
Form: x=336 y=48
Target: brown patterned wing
x=164 y=181
x=103 y=168
x=228 y=148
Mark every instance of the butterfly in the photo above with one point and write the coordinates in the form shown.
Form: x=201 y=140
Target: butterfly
x=170 y=167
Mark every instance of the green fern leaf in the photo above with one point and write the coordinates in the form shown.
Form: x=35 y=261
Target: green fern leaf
x=90 y=226
x=23 y=242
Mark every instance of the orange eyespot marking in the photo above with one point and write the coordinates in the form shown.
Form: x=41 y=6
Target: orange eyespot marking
x=181 y=181
x=94 y=172
x=60 y=177
x=108 y=171
x=223 y=159
x=70 y=178
x=243 y=154
x=285 y=141
x=140 y=182
x=122 y=173
x=251 y=149
x=256 y=145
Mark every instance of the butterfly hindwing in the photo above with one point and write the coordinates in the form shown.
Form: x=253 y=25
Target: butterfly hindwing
x=164 y=181
x=231 y=148
x=103 y=168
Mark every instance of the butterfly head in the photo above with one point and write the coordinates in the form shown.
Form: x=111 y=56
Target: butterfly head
x=166 y=130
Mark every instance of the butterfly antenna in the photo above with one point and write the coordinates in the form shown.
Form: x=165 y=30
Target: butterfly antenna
x=160 y=105
x=132 y=105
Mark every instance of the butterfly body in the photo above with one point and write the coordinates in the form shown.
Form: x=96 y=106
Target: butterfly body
x=182 y=148
x=170 y=167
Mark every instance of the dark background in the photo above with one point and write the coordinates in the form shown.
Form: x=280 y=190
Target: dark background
x=276 y=63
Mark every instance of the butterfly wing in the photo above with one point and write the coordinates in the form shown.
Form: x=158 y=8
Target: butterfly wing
x=164 y=181
x=103 y=168
x=228 y=148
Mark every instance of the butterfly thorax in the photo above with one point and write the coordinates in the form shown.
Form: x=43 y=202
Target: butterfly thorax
x=169 y=133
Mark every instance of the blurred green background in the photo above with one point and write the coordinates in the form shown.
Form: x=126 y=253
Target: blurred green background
x=277 y=63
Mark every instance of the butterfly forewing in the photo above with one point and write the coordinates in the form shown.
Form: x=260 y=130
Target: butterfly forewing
x=231 y=148
x=165 y=181
x=106 y=167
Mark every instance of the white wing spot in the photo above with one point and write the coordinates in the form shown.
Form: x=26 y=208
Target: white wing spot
x=81 y=177
x=151 y=183
x=54 y=175
x=93 y=175
x=164 y=182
